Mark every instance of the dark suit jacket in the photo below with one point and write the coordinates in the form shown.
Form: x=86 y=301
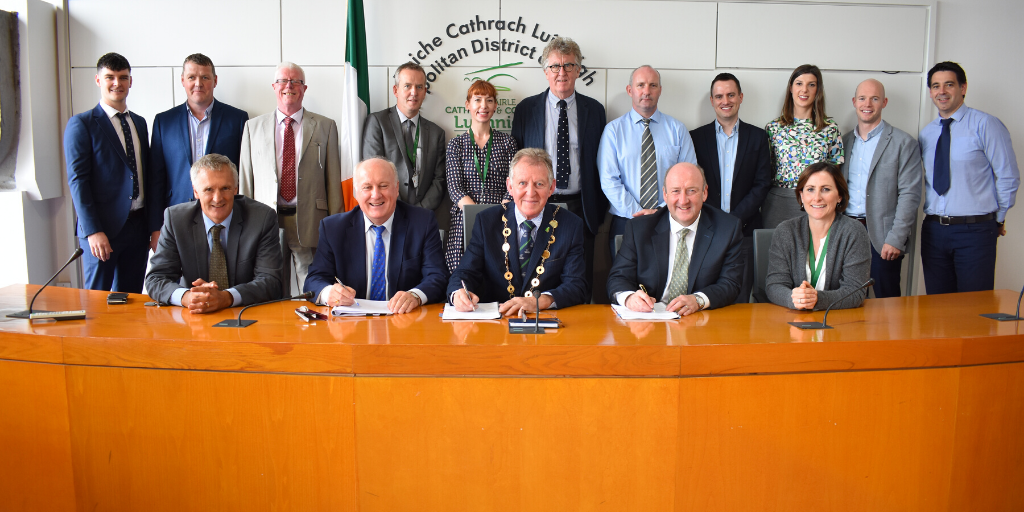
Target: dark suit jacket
x=171 y=150
x=716 y=263
x=253 y=252
x=99 y=177
x=483 y=265
x=383 y=136
x=415 y=255
x=528 y=130
x=752 y=173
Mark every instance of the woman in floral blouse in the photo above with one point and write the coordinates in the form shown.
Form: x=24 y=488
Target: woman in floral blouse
x=476 y=164
x=801 y=136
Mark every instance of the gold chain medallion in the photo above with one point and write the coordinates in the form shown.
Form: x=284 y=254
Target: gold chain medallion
x=535 y=282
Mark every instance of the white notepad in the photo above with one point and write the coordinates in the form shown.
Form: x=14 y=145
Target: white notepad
x=363 y=308
x=659 y=313
x=484 y=311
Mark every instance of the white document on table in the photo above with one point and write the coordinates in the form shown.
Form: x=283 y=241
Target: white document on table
x=659 y=313
x=363 y=308
x=484 y=311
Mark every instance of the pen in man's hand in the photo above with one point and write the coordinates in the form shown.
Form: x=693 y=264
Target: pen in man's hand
x=467 y=293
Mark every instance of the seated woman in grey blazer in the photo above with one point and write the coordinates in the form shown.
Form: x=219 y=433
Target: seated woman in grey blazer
x=819 y=257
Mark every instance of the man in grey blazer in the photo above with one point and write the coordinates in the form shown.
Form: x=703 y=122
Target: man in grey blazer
x=217 y=252
x=289 y=161
x=883 y=168
x=414 y=144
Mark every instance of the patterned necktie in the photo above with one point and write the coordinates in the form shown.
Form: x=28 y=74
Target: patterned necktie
x=129 y=149
x=680 y=268
x=378 y=285
x=525 y=246
x=648 y=168
x=288 y=162
x=940 y=174
x=562 y=147
x=218 y=262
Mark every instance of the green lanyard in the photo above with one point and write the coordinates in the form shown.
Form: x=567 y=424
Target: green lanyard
x=476 y=159
x=415 y=145
x=820 y=264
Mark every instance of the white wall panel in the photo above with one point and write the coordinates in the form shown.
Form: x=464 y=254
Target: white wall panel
x=150 y=93
x=395 y=29
x=679 y=35
x=247 y=88
x=313 y=31
x=853 y=37
x=163 y=32
x=381 y=96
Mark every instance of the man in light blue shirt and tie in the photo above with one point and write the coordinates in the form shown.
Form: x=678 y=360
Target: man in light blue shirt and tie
x=637 y=150
x=971 y=180
x=883 y=170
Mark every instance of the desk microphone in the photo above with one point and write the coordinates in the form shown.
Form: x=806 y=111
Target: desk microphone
x=56 y=315
x=823 y=325
x=529 y=329
x=238 y=322
x=1006 y=317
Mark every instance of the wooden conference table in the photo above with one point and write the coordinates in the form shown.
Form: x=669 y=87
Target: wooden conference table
x=912 y=403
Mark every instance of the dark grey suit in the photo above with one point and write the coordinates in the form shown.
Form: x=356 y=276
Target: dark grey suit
x=253 y=252
x=383 y=136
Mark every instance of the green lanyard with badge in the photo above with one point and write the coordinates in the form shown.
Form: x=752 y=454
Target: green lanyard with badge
x=487 y=156
x=415 y=145
x=817 y=266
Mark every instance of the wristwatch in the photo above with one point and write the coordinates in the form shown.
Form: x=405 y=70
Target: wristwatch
x=700 y=302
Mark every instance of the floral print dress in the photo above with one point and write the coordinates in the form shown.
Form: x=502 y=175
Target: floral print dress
x=796 y=146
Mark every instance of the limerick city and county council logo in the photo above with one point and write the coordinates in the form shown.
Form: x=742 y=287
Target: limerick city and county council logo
x=502 y=120
x=491 y=78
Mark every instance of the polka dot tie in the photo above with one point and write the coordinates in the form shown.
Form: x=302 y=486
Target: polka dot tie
x=562 y=148
x=129 y=149
x=288 y=162
x=648 y=168
x=525 y=247
x=378 y=285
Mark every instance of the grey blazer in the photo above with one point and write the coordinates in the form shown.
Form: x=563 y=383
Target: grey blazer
x=253 y=252
x=894 y=186
x=382 y=136
x=848 y=262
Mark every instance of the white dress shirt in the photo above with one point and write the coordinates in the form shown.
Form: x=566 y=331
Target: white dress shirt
x=673 y=239
x=112 y=112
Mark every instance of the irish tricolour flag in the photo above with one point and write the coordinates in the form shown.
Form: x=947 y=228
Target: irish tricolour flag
x=356 y=101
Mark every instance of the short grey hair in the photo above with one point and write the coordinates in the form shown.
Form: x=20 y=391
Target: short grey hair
x=564 y=46
x=534 y=156
x=390 y=165
x=216 y=163
x=290 y=65
x=638 y=69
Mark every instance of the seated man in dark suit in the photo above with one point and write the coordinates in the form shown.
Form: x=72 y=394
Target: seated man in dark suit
x=525 y=248
x=692 y=257
x=224 y=245
x=382 y=250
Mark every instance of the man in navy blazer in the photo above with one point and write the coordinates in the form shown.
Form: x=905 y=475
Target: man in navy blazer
x=650 y=264
x=523 y=248
x=106 y=150
x=398 y=239
x=198 y=127
x=735 y=157
x=536 y=125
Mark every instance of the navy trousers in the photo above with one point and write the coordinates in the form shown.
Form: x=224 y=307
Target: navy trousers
x=960 y=257
x=125 y=270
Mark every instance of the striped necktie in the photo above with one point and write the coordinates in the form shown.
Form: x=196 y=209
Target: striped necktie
x=525 y=246
x=648 y=168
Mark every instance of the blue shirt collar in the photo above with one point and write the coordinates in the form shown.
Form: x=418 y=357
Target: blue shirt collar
x=721 y=131
x=635 y=117
x=872 y=134
x=209 y=223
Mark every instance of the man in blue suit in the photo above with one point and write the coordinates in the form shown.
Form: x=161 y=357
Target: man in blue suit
x=381 y=250
x=524 y=248
x=568 y=125
x=106 y=150
x=200 y=126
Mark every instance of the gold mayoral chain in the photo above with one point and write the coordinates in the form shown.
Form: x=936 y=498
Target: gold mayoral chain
x=535 y=282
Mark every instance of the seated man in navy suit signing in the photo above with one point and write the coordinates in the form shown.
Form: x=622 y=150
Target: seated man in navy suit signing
x=524 y=248
x=382 y=250
x=686 y=254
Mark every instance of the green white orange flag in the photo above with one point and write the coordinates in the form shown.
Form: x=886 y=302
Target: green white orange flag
x=356 y=100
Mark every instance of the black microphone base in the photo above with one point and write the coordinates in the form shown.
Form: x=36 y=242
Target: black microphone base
x=526 y=329
x=1002 y=317
x=24 y=314
x=233 y=322
x=810 y=325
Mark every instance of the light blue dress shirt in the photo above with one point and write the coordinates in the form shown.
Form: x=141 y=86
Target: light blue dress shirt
x=618 y=157
x=727 y=147
x=859 y=157
x=983 y=172
x=551 y=139
x=236 y=297
x=199 y=132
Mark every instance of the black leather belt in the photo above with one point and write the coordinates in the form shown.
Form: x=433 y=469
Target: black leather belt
x=862 y=220
x=967 y=219
x=134 y=214
x=286 y=210
x=564 y=198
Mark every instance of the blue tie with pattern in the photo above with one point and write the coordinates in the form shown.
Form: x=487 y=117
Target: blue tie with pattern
x=525 y=246
x=129 y=149
x=940 y=169
x=378 y=286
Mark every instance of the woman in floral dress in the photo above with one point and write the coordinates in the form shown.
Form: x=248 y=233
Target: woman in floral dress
x=801 y=136
x=477 y=164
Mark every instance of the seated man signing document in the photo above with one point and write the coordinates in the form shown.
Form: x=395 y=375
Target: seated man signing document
x=523 y=248
x=381 y=250
x=224 y=245
x=686 y=255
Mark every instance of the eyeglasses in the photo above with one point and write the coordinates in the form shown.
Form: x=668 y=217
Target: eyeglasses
x=285 y=81
x=569 y=67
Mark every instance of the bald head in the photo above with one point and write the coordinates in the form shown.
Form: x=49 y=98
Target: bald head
x=871 y=86
x=868 y=101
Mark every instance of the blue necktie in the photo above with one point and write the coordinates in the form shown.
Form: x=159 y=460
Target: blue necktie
x=562 y=147
x=129 y=149
x=940 y=176
x=525 y=246
x=378 y=286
